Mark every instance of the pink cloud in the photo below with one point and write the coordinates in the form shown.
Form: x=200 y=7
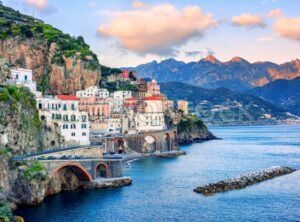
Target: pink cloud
x=288 y=28
x=41 y=5
x=157 y=29
x=248 y=20
x=275 y=13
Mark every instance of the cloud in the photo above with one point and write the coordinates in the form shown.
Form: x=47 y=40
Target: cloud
x=193 y=53
x=275 y=13
x=268 y=1
x=288 y=28
x=248 y=20
x=265 y=39
x=138 y=4
x=41 y=5
x=157 y=29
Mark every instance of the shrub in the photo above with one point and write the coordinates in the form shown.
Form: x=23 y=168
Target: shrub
x=5 y=211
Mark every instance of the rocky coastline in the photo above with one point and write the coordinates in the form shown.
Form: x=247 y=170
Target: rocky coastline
x=243 y=180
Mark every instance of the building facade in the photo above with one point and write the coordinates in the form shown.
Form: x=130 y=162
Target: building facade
x=183 y=106
x=63 y=112
x=22 y=77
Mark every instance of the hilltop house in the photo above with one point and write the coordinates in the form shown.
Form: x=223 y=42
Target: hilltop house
x=22 y=77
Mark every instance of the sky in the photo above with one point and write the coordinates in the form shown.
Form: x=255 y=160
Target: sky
x=127 y=33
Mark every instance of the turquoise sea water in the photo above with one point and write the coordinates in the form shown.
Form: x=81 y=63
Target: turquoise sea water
x=162 y=189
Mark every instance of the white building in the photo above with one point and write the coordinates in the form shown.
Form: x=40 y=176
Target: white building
x=122 y=94
x=22 y=77
x=63 y=112
x=150 y=122
x=93 y=91
x=116 y=105
x=153 y=104
x=114 y=125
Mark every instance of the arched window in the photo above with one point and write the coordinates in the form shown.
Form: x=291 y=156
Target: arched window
x=65 y=126
x=83 y=134
x=73 y=126
x=83 y=126
x=73 y=134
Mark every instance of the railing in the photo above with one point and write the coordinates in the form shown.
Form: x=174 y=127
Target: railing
x=54 y=150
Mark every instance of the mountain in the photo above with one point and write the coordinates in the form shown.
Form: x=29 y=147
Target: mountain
x=283 y=93
x=224 y=106
x=61 y=64
x=237 y=74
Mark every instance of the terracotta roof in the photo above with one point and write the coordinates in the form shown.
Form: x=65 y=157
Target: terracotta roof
x=67 y=97
x=152 y=98
x=131 y=98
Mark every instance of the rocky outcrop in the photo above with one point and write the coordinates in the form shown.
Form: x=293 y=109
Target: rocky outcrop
x=192 y=129
x=243 y=180
x=108 y=183
x=30 y=185
x=170 y=154
x=35 y=54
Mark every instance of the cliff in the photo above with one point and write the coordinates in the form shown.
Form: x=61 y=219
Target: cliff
x=189 y=127
x=22 y=132
x=61 y=64
x=192 y=129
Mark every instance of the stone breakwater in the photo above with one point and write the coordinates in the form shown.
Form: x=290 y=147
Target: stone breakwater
x=102 y=183
x=243 y=180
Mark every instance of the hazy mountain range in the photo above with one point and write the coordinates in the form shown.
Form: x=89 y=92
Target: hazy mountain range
x=282 y=93
x=223 y=105
x=237 y=74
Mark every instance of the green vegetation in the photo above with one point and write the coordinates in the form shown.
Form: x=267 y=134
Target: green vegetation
x=19 y=98
x=34 y=171
x=188 y=122
x=5 y=211
x=106 y=71
x=15 y=24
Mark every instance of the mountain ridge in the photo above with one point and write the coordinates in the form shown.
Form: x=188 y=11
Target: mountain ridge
x=236 y=74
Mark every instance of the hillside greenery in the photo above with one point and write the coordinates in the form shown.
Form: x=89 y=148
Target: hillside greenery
x=15 y=24
x=222 y=105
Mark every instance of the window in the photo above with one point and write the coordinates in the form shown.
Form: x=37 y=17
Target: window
x=83 y=118
x=73 y=134
x=65 y=106
x=53 y=116
x=25 y=77
x=65 y=126
x=73 y=118
x=83 y=126
x=17 y=76
x=73 y=106
x=65 y=117
x=73 y=126
x=83 y=134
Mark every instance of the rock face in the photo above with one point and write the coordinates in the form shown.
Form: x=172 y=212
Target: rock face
x=243 y=180
x=192 y=129
x=29 y=187
x=20 y=128
x=37 y=55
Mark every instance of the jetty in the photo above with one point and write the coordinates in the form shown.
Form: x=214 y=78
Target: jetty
x=243 y=180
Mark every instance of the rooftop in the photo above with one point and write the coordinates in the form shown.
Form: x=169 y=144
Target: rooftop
x=67 y=97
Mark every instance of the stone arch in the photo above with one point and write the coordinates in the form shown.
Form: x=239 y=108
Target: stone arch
x=102 y=170
x=167 y=142
x=78 y=170
x=149 y=145
x=69 y=176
